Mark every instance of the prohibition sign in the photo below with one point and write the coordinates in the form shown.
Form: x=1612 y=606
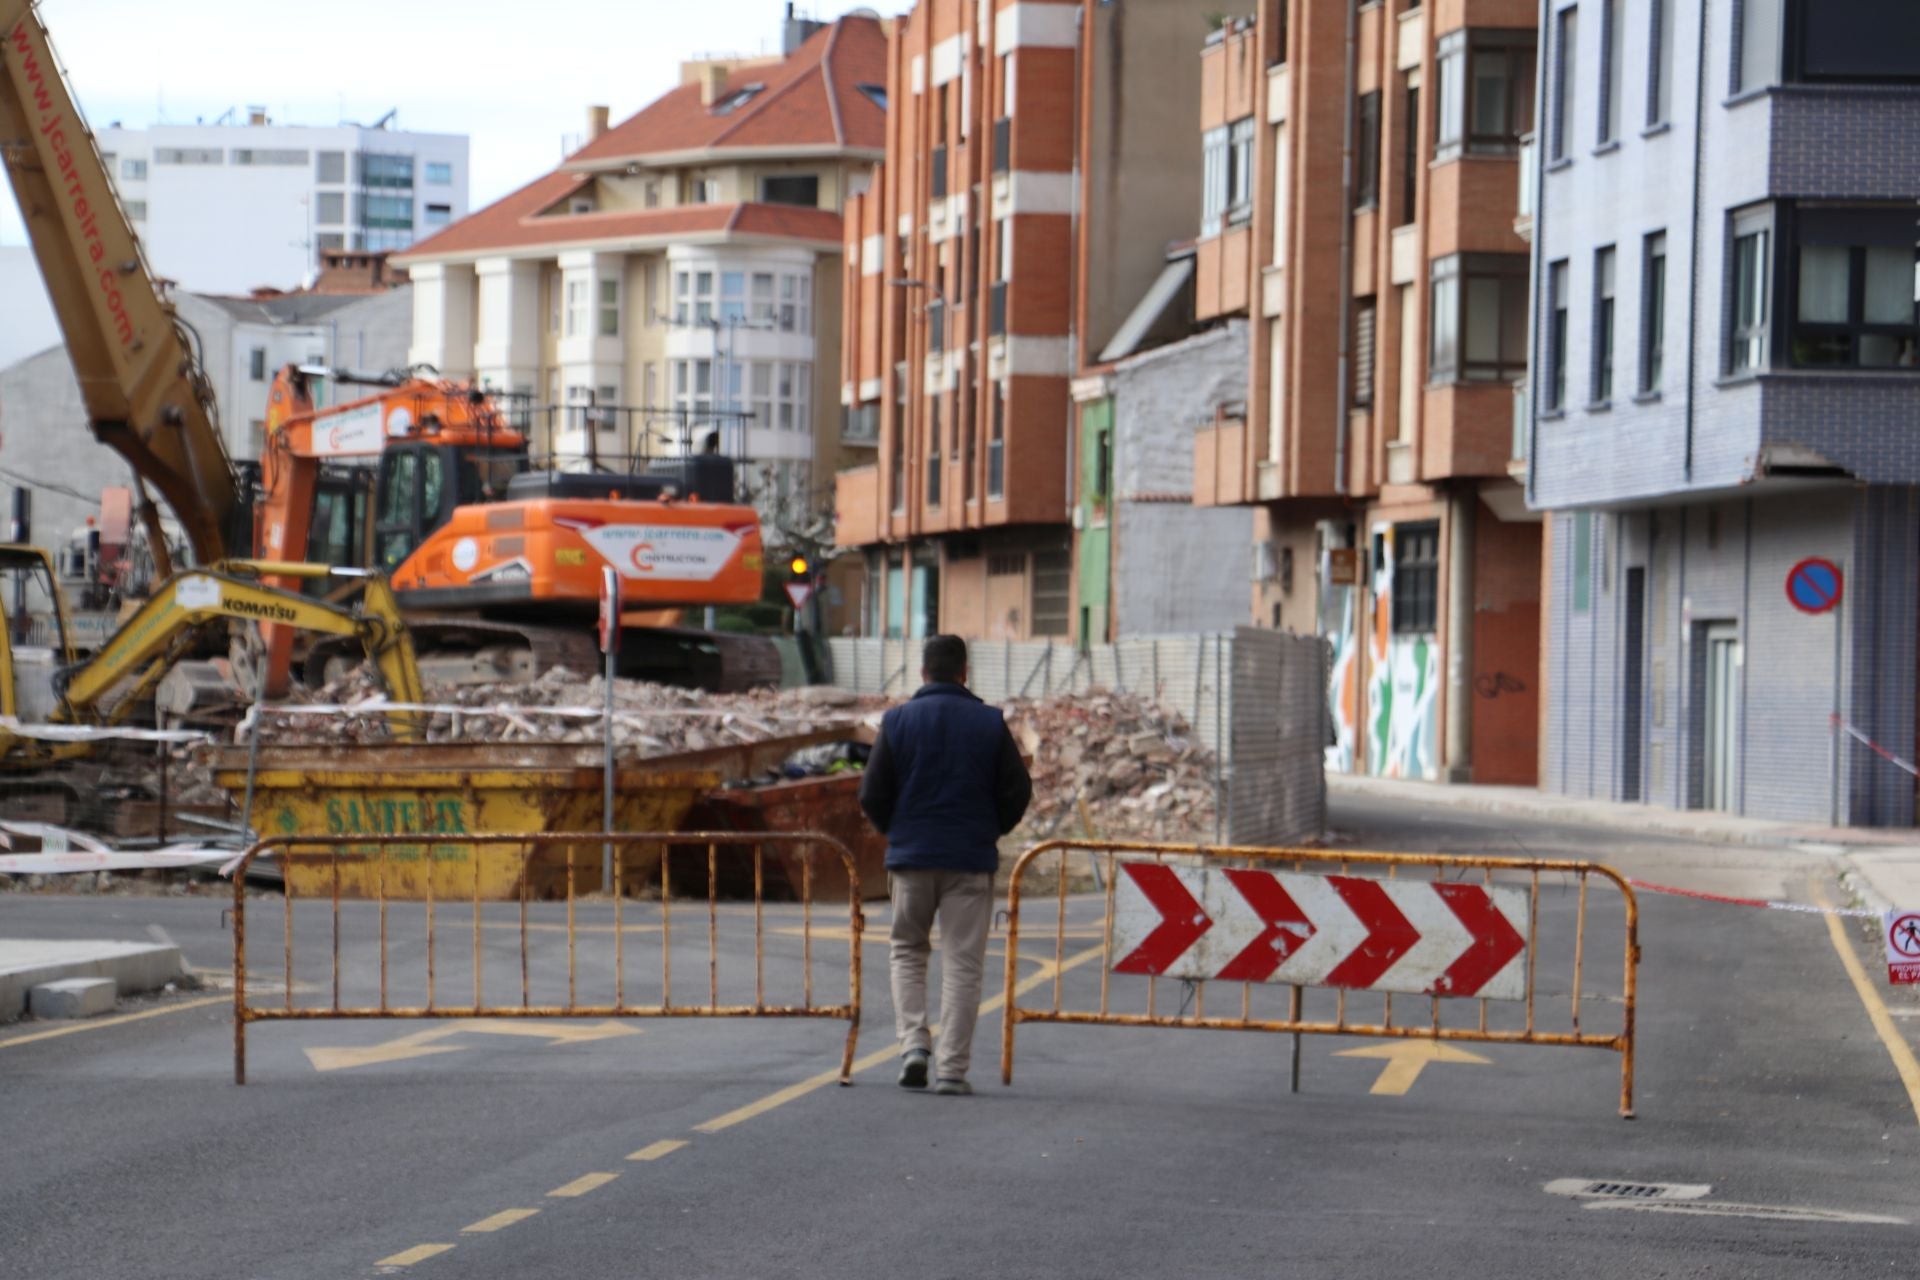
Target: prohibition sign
x=1903 y=935
x=1814 y=585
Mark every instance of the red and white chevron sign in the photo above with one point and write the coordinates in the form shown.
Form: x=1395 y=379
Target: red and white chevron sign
x=1416 y=936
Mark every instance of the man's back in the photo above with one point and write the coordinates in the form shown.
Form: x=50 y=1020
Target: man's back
x=945 y=782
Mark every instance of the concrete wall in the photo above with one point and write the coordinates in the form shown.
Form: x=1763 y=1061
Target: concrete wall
x=45 y=447
x=27 y=323
x=1176 y=566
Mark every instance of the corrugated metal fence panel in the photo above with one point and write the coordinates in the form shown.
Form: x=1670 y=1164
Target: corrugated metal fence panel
x=1276 y=785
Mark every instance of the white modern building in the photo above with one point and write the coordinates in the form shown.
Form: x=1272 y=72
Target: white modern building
x=231 y=207
x=683 y=265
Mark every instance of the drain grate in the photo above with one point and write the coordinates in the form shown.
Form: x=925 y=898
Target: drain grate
x=1607 y=1189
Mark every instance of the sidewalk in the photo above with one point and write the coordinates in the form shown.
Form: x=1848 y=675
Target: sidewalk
x=1881 y=866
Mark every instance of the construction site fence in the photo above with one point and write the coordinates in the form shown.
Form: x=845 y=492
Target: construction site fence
x=1256 y=698
x=498 y=968
x=1577 y=971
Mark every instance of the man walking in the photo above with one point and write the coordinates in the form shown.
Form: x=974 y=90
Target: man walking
x=944 y=783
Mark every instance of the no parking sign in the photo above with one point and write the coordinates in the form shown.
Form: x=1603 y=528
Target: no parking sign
x=1815 y=585
x=1903 y=946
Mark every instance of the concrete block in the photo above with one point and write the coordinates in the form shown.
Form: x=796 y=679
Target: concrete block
x=73 y=998
x=132 y=966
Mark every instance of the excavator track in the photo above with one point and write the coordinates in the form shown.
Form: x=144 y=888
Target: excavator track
x=454 y=649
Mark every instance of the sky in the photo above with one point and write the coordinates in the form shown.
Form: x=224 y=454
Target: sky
x=515 y=78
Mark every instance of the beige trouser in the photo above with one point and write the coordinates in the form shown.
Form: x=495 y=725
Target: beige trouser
x=963 y=900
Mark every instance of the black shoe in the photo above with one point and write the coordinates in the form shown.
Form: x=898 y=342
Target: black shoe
x=913 y=1069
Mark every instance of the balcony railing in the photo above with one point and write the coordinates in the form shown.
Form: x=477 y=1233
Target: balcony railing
x=997 y=309
x=939 y=177
x=1003 y=145
x=860 y=424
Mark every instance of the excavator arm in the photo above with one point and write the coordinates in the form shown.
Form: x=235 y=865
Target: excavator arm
x=231 y=589
x=145 y=395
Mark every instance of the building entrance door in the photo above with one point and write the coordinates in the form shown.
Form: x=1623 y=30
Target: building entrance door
x=1633 y=683
x=1723 y=715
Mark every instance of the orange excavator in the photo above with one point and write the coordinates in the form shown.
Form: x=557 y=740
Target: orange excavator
x=497 y=562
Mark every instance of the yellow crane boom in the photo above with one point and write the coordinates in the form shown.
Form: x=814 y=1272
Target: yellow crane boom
x=144 y=392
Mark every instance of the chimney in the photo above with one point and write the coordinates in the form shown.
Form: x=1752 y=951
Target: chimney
x=795 y=31
x=713 y=82
x=596 y=121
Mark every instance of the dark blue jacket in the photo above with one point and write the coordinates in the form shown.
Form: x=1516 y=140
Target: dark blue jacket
x=945 y=782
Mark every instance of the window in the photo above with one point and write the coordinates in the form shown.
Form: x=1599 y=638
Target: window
x=703 y=191
x=937 y=174
x=1757 y=58
x=1486 y=92
x=136 y=210
x=997 y=443
x=1565 y=37
x=796 y=304
x=1361 y=363
x=1582 y=561
x=609 y=308
x=1366 y=182
x=439 y=173
x=330 y=208
x=1479 y=331
x=1213 y=181
x=1853 y=279
x=1556 y=388
x=933 y=450
x=1240 y=170
x=1653 y=312
x=330 y=240
x=276 y=159
x=1416 y=577
x=733 y=297
x=576 y=308
x=875 y=93
x=1410 y=157
x=133 y=170
x=650 y=194
x=389 y=212
x=1602 y=387
x=936 y=327
x=439 y=215
x=1747 y=339
x=1052 y=592
x=1409 y=362
x=796 y=189
x=1613 y=68
x=1660 y=60
x=188 y=155
x=693 y=298
x=257 y=364
x=378 y=170
x=330 y=166
x=761 y=311
x=1855 y=40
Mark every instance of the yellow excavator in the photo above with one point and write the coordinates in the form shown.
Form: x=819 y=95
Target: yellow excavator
x=147 y=398
x=105 y=688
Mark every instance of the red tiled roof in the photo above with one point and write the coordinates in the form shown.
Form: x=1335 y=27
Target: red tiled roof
x=811 y=99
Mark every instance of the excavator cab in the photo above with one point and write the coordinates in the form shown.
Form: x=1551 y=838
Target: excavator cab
x=422 y=482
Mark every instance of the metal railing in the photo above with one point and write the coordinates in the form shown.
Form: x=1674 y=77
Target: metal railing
x=1129 y=995
x=386 y=870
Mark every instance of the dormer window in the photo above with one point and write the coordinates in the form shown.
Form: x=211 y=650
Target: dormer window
x=876 y=94
x=739 y=98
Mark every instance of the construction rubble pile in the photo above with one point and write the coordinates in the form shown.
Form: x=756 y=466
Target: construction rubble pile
x=1113 y=765
x=1103 y=763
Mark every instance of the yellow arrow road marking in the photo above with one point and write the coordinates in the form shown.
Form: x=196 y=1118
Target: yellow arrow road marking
x=422 y=1044
x=1406 y=1059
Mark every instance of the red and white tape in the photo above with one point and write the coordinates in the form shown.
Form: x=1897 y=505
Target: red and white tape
x=1766 y=903
x=1897 y=761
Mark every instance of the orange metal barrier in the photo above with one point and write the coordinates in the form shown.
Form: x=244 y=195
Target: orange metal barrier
x=338 y=853
x=1531 y=1016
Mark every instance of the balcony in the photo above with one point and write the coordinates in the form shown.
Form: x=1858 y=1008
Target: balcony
x=860 y=425
x=1003 y=145
x=1529 y=167
x=997 y=309
x=1219 y=465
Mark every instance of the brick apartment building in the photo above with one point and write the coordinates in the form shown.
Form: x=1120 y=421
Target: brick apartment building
x=1039 y=161
x=1361 y=166
x=1727 y=380
x=686 y=262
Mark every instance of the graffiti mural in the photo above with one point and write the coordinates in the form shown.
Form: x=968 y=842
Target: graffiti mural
x=1403 y=685
x=1343 y=679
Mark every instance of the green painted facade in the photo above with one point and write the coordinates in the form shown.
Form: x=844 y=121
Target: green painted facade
x=1093 y=541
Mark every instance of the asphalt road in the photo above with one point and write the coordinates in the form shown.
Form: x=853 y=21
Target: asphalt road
x=126 y=1151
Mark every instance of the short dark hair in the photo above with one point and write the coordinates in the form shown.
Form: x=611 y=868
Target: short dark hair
x=944 y=659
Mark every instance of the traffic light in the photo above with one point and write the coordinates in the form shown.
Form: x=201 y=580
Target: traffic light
x=799 y=568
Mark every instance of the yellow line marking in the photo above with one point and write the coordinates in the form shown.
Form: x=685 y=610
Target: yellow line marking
x=654 y=1150
x=504 y=1218
x=1406 y=1059
x=1897 y=1048
x=419 y=1253
x=583 y=1184
x=780 y=1097
x=100 y=1024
